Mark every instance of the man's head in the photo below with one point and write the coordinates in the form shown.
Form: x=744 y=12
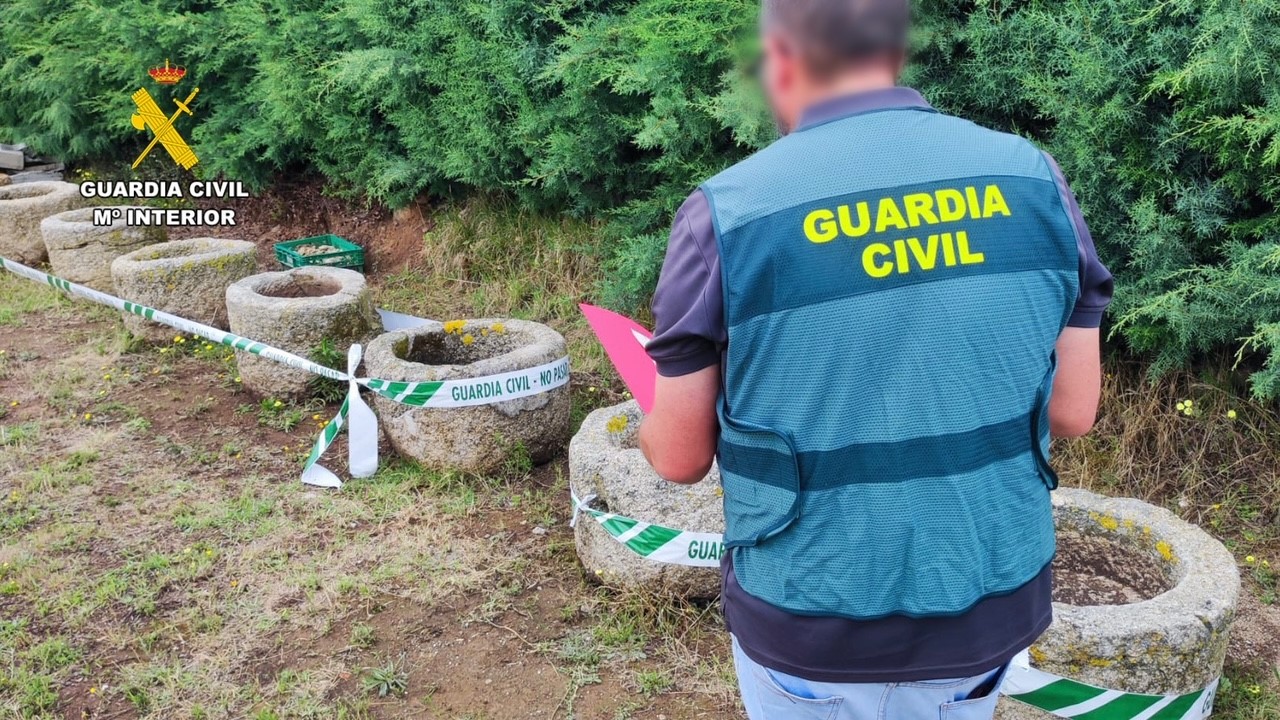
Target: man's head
x=814 y=49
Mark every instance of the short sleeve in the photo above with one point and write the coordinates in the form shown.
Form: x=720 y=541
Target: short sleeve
x=1096 y=284
x=688 y=305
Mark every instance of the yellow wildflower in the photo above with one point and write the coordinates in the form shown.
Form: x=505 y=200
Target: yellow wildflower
x=13 y=404
x=1181 y=406
x=237 y=378
x=177 y=338
x=88 y=416
x=467 y=339
x=1250 y=559
x=316 y=416
x=1231 y=414
x=277 y=404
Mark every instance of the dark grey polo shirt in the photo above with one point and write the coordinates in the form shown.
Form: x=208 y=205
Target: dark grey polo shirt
x=691 y=335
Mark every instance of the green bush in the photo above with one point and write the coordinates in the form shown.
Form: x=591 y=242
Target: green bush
x=1164 y=114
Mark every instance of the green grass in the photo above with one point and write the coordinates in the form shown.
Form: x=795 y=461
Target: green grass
x=23 y=296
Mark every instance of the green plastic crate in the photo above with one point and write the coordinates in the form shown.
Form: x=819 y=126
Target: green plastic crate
x=346 y=254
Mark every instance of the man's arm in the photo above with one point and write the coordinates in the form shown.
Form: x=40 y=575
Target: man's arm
x=1073 y=407
x=679 y=436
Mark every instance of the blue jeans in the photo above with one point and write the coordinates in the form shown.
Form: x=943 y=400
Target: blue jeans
x=771 y=695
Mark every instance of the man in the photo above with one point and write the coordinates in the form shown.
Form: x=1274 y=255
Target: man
x=876 y=323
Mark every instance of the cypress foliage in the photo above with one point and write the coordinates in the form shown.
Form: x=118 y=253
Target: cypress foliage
x=1165 y=115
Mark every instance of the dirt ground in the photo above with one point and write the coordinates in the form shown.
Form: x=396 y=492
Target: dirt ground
x=160 y=558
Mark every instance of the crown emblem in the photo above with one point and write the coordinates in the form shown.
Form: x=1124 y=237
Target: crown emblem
x=167 y=75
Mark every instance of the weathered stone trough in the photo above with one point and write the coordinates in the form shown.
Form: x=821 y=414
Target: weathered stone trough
x=477 y=439
x=1143 y=601
x=605 y=461
x=82 y=252
x=298 y=310
x=22 y=207
x=188 y=278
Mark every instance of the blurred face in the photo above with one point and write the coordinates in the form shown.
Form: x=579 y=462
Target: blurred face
x=791 y=85
x=786 y=80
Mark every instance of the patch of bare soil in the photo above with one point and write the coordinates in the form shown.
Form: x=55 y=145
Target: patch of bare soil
x=1093 y=570
x=1255 y=635
x=294 y=208
x=247 y=632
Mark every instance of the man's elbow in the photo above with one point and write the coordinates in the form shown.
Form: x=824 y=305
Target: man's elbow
x=680 y=471
x=1072 y=426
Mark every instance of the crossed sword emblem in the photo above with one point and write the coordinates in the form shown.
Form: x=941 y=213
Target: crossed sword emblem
x=150 y=116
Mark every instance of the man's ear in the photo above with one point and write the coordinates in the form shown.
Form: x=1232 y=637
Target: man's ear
x=785 y=56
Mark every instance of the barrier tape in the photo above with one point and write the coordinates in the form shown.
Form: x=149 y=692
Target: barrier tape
x=354 y=413
x=1054 y=694
x=1068 y=698
x=655 y=542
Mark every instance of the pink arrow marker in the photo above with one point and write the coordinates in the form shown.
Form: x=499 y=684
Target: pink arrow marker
x=624 y=340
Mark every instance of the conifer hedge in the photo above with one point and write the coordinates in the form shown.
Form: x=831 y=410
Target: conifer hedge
x=1165 y=115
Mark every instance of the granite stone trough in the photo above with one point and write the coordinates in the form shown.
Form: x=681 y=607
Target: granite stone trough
x=1143 y=601
x=22 y=207
x=481 y=438
x=298 y=310
x=82 y=252
x=605 y=461
x=187 y=278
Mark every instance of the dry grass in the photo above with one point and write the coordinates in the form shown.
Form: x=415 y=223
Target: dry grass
x=486 y=258
x=1218 y=467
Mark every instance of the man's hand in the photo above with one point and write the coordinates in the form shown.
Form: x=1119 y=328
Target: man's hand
x=1073 y=407
x=679 y=436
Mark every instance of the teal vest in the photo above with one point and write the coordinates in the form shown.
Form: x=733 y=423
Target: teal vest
x=894 y=285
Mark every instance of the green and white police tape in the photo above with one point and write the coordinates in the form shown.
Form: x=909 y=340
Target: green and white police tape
x=1068 y=698
x=1055 y=695
x=355 y=413
x=655 y=542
